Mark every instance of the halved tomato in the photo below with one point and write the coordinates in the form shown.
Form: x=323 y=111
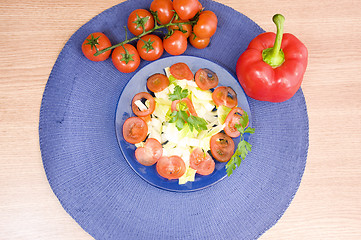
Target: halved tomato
x=172 y=167
x=233 y=118
x=135 y=130
x=189 y=106
x=201 y=161
x=141 y=97
x=224 y=96
x=222 y=147
x=150 y=153
x=181 y=71
x=206 y=79
x=157 y=82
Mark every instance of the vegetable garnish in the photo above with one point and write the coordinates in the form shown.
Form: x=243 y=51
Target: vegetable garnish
x=178 y=94
x=243 y=147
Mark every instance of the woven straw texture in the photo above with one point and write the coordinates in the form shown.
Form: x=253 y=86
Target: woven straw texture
x=96 y=186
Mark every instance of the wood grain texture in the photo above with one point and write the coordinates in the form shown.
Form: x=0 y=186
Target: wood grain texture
x=328 y=203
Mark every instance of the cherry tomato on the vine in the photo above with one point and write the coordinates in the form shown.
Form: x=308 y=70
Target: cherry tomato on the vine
x=172 y=167
x=157 y=82
x=206 y=25
x=206 y=79
x=225 y=96
x=96 y=41
x=137 y=19
x=197 y=42
x=222 y=147
x=126 y=58
x=186 y=9
x=181 y=71
x=201 y=161
x=150 y=153
x=185 y=27
x=232 y=119
x=135 y=130
x=164 y=9
x=140 y=97
x=150 y=47
x=175 y=44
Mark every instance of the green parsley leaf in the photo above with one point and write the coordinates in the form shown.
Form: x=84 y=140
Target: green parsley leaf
x=178 y=93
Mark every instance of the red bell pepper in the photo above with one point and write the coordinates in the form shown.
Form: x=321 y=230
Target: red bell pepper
x=272 y=67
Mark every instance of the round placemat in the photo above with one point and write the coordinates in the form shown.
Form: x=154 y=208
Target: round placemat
x=95 y=185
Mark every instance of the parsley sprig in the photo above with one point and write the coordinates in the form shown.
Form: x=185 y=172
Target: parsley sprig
x=178 y=93
x=243 y=147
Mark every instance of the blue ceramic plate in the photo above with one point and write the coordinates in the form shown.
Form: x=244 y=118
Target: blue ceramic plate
x=124 y=111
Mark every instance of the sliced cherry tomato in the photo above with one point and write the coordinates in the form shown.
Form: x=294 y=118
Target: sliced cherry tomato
x=185 y=27
x=175 y=44
x=150 y=47
x=190 y=108
x=164 y=9
x=172 y=167
x=201 y=161
x=181 y=71
x=224 y=96
x=157 y=82
x=186 y=9
x=146 y=118
x=222 y=147
x=126 y=61
x=96 y=41
x=206 y=79
x=206 y=25
x=140 y=17
x=233 y=118
x=135 y=130
x=140 y=97
x=197 y=42
x=150 y=153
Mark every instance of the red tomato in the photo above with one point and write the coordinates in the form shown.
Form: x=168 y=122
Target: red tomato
x=222 y=147
x=139 y=17
x=126 y=61
x=206 y=25
x=157 y=82
x=135 y=130
x=185 y=27
x=150 y=153
x=150 y=47
x=186 y=9
x=197 y=42
x=93 y=42
x=176 y=44
x=232 y=119
x=224 y=96
x=164 y=9
x=140 y=96
x=188 y=102
x=146 y=118
x=181 y=71
x=206 y=79
x=172 y=167
x=202 y=162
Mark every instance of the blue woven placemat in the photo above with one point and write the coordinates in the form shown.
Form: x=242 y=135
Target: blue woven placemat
x=96 y=186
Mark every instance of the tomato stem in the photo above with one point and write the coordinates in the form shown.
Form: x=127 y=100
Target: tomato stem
x=274 y=56
x=156 y=27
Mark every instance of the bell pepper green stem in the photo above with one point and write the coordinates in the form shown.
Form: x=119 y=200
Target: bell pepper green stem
x=274 y=56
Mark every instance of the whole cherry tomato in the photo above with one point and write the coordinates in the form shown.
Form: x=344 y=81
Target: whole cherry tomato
x=185 y=27
x=150 y=47
x=135 y=130
x=197 y=42
x=96 y=41
x=186 y=9
x=126 y=58
x=137 y=19
x=206 y=25
x=176 y=44
x=164 y=9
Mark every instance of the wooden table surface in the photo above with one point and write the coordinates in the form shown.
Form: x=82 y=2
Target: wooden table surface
x=328 y=203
